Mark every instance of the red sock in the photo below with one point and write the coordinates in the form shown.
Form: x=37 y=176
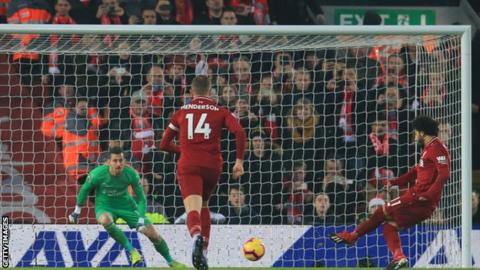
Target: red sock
x=371 y=223
x=390 y=233
x=193 y=223
x=205 y=217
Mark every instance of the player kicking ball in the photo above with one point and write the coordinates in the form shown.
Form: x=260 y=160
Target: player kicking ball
x=199 y=126
x=426 y=182
x=113 y=201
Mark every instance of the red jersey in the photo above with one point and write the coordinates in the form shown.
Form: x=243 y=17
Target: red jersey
x=431 y=174
x=199 y=127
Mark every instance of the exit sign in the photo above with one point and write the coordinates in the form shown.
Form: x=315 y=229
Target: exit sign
x=389 y=16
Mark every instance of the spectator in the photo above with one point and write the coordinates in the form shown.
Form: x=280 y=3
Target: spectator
x=228 y=97
x=322 y=212
x=28 y=12
x=435 y=93
x=134 y=7
x=188 y=10
x=228 y=17
x=304 y=137
x=124 y=68
x=211 y=15
x=123 y=71
x=251 y=12
x=263 y=178
x=165 y=14
x=345 y=108
x=341 y=191
x=476 y=207
x=241 y=76
x=110 y=12
x=394 y=72
x=80 y=139
x=296 y=12
x=142 y=135
x=217 y=76
x=393 y=104
x=62 y=16
x=149 y=16
x=303 y=87
x=269 y=111
x=283 y=71
x=312 y=62
x=368 y=68
x=247 y=118
x=414 y=58
x=333 y=173
x=176 y=83
x=445 y=134
x=53 y=124
x=154 y=90
x=237 y=211
x=382 y=150
x=297 y=194
x=266 y=82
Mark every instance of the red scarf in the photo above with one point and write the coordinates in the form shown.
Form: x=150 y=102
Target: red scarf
x=381 y=148
x=346 y=112
x=155 y=103
x=296 y=200
x=392 y=123
x=143 y=135
x=269 y=124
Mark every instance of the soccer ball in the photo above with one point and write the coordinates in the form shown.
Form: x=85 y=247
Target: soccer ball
x=253 y=249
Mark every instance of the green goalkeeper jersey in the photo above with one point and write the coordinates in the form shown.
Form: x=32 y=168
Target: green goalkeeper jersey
x=112 y=191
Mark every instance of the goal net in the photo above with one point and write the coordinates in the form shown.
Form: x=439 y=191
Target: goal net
x=328 y=118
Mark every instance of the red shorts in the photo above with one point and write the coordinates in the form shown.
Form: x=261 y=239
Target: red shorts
x=197 y=181
x=408 y=215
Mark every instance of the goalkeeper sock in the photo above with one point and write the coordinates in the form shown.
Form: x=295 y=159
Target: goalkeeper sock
x=390 y=233
x=119 y=236
x=206 y=221
x=162 y=248
x=371 y=223
x=193 y=223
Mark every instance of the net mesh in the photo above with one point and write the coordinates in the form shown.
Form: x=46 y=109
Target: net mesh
x=327 y=117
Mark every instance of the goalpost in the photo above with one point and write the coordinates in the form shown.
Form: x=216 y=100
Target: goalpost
x=355 y=89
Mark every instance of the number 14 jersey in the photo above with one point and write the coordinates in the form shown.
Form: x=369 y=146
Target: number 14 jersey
x=199 y=127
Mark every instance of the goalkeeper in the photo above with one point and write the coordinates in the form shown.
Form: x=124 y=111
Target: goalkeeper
x=113 y=201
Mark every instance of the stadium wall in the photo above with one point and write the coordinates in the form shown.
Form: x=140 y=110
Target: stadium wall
x=89 y=245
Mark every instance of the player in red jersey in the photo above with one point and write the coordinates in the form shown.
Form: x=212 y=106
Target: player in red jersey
x=426 y=182
x=199 y=126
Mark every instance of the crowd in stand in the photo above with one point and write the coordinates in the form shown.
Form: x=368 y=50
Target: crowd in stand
x=326 y=128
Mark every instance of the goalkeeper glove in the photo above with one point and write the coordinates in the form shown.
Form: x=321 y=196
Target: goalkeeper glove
x=73 y=217
x=141 y=225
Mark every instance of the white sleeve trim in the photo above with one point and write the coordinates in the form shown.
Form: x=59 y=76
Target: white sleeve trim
x=172 y=127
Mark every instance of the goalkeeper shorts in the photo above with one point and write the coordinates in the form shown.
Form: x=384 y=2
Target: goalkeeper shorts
x=130 y=216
